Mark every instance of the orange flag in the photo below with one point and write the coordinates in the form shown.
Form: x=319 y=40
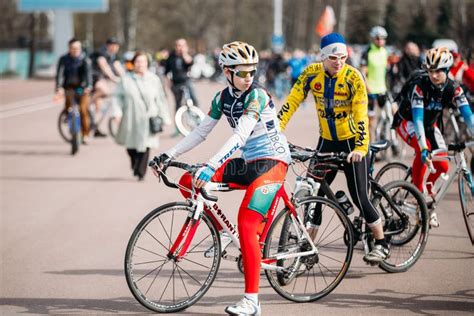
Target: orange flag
x=326 y=22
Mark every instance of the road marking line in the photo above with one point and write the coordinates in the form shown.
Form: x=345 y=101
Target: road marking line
x=27 y=102
x=25 y=110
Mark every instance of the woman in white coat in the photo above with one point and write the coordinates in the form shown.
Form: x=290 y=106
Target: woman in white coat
x=140 y=96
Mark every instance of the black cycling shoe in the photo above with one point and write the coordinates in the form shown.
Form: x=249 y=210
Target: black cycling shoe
x=98 y=133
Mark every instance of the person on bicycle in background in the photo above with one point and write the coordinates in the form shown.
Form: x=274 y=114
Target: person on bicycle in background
x=374 y=63
x=341 y=103
x=418 y=118
x=73 y=74
x=107 y=71
x=251 y=113
x=178 y=64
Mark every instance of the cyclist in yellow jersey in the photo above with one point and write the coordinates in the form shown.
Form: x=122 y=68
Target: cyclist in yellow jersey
x=340 y=95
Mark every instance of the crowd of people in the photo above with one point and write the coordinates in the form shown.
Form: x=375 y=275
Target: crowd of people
x=345 y=95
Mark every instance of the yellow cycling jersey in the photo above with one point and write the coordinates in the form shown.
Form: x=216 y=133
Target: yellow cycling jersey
x=341 y=103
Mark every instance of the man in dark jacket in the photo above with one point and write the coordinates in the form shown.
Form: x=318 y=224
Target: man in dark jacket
x=74 y=81
x=178 y=64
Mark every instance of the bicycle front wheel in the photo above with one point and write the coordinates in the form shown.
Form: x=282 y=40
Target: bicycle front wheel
x=467 y=203
x=63 y=126
x=311 y=277
x=187 y=118
x=156 y=279
x=406 y=227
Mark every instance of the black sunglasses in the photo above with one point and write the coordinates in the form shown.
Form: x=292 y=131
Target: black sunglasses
x=243 y=73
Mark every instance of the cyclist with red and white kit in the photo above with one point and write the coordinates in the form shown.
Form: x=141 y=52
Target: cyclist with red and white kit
x=251 y=113
x=418 y=118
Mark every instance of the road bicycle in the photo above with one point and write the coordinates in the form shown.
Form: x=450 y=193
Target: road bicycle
x=167 y=270
x=401 y=207
x=70 y=121
x=456 y=154
x=383 y=130
x=113 y=120
x=188 y=116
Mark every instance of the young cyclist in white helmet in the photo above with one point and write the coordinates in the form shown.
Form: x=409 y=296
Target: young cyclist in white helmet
x=251 y=113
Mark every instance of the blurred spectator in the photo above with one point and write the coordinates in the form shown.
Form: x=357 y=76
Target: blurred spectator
x=106 y=73
x=140 y=96
x=462 y=73
x=178 y=64
x=277 y=76
x=297 y=64
x=409 y=62
x=73 y=73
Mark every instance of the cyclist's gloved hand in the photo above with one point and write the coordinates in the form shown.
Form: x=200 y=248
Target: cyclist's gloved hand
x=425 y=155
x=203 y=175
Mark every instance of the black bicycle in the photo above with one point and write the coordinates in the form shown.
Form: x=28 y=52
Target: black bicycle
x=400 y=204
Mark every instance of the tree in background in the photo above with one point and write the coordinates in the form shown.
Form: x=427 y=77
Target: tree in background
x=420 y=33
x=391 y=25
x=443 y=22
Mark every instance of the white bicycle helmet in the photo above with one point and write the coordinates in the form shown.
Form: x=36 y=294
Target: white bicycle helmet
x=237 y=53
x=438 y=58
x=378 y=31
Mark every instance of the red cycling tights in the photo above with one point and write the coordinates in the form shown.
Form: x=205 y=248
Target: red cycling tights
x=407 y=132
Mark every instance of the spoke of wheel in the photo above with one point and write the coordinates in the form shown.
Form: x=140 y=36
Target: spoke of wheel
x=164 y=229
x=189 y=275
x=169 y=280
x=167 y=249
x=326 y=244
x=191 y=250
x=330 y=221
x=329 y=257
x=153 y=281
x=184 y=284
x=322 y=274
x=333 y=273
x=320 y=241
x=199 y=264
x=141 y=248
x=314 y=280
x=159 y=267
x=148 y=262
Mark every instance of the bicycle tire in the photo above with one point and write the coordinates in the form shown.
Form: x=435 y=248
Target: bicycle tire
x=406 y=246
x=400 y=170
x=63 y=126
x=330 y=252
x=467 y=205
x=151 y=240
x=187 y=118
x=75 y=133
x=113 y=125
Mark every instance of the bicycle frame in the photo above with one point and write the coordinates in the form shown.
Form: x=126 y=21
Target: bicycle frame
x=461 y=166
x=200 y=204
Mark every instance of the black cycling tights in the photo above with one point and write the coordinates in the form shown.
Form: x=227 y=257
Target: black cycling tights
x=357 y=180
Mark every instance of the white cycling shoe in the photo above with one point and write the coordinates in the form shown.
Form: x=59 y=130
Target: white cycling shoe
x=434 y=222
x=225 y=241
x=244 y=307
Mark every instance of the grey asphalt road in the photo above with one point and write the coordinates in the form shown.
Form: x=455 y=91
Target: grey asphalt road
x=65 y=222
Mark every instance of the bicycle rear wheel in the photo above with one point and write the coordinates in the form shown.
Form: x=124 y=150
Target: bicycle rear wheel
x=187 y=118
x=467 y=203
x=407 y=230
x=393 y=171
x=309 y=278
x=155 y=278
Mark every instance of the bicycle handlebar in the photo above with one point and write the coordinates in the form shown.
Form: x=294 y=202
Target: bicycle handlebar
x=303 y=154
x=180 y=165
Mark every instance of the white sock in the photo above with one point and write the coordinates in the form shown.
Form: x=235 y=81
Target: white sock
x=253 y=297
